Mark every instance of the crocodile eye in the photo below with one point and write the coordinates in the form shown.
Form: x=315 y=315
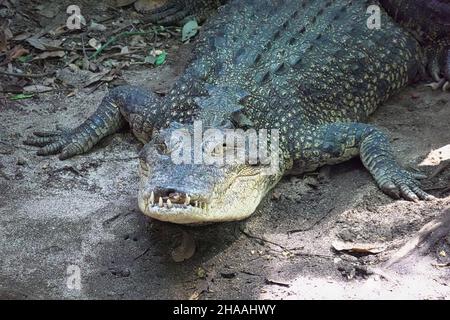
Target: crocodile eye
x=161 y=148
x=219 y=150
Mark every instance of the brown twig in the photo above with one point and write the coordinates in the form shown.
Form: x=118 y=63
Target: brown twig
x=278 y=283
x=250 y=235
x=142 y=254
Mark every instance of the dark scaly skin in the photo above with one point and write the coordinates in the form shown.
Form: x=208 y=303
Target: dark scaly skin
x=312 y=69
x=429 y=20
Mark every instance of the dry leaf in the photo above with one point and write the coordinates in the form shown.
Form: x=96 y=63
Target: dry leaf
x=36 y=88
x=96 y=26
x=17 y=52
x=156 y=52
x=5 y=35
x=372 y=248
x=103 y=76
x=22 y=36
x=94 y=43
x=48 y=10
x=44 y=44
x=50 y=54
x=186 y=249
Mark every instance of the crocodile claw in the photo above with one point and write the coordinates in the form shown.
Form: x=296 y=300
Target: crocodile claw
x=435 y=69
x=440 y=84
x=51 y=143
x=399 y=183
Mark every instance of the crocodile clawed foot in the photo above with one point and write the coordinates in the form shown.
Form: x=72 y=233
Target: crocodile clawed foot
x=65 y=143
x=49 y=142
x=440 y=72
x=442 y=83
x=436 y=85
x=399 y=183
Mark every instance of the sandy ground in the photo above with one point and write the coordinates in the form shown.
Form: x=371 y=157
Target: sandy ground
x=82 y=213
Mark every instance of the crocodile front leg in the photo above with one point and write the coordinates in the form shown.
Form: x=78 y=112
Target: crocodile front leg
x=123 y=104
x=338 y=142
x=176 y=10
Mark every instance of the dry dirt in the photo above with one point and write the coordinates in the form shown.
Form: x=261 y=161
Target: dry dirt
x=83 y=212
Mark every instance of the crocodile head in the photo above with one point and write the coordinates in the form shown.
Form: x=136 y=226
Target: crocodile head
x=177 y=188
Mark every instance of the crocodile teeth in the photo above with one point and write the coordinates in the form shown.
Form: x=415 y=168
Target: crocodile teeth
x=196 y=203
x=152 y=198
x=188 y=199
x=161 y=204
x=169 y=203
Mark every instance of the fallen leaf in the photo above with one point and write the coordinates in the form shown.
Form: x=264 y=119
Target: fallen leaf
x=17 y=52
x=22 y=36
x=5 y=35
x=186 y=249
x=21 y=96
x=372 y=248
x=156 y=57
x=189 y=30
x=50 y=54
x=156 y=52
x=44 y=43
x=25 y=59
x=36 y=43
x=48 y=10
x=94 y=43
x=101 y=76
x=37 y=88
x=161 y=58
x=96 y=27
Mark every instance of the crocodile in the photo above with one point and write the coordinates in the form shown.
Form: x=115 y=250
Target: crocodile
x=308 y=71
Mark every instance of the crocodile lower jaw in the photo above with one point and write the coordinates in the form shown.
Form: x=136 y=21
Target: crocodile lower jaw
x=187 y=214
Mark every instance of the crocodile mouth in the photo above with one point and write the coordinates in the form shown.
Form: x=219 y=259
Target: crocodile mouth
x=235 y=202
x=174 y=205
